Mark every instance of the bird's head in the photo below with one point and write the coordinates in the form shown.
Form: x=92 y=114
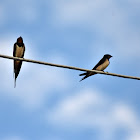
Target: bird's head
x=108 y=56
x=20 y=40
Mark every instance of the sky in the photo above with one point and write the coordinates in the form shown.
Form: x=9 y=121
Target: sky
x=50 y=103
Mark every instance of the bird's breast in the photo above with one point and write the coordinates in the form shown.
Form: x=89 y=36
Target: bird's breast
x=103 y=66
x=19 y=51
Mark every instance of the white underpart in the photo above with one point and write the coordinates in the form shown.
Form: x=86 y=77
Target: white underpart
x=19 y=51
x=103 y=66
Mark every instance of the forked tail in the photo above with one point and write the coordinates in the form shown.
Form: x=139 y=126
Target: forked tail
x=83 y=74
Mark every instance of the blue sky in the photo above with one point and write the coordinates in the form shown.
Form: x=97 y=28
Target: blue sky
x=50 y=103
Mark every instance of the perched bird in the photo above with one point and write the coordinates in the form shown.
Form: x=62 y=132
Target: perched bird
x=101 y=65
x=19 y=49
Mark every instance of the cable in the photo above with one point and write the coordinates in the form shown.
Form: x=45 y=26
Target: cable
x=68 y=67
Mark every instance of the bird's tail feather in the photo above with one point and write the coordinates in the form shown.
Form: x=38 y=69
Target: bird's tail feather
x=82 y=74
x=83 y=78
x=87 y=76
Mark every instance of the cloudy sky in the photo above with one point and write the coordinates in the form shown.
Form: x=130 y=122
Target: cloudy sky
x=50 y=103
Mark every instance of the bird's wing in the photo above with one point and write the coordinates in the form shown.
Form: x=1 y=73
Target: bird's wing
x=99 y=63
x=88 y=73
x=14 y=50
x=14 y=54
x=23 y=50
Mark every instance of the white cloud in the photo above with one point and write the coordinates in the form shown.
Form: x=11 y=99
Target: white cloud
x=76 y=11
x=120 y=113
x=89 y=108
x=71 y=107
x=107 y=18
x=135 y=136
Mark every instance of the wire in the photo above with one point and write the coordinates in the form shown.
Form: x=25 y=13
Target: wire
x=68 y=67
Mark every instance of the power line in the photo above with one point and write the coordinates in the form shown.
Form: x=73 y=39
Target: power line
x=68 y=67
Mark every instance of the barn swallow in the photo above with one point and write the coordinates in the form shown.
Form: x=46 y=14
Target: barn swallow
x=101 y=65
x=19 y=49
